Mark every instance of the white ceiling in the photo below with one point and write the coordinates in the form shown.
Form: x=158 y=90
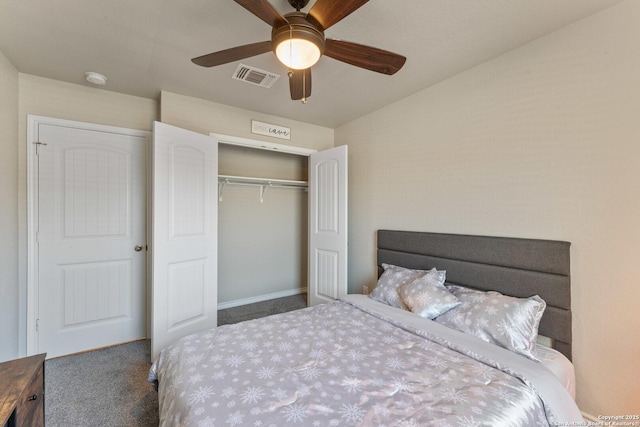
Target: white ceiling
x=145 y=46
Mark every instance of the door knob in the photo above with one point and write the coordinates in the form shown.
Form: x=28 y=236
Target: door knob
x=138 y=248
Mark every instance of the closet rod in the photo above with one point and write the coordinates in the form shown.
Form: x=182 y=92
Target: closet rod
x=263 y=183
x=231 y=179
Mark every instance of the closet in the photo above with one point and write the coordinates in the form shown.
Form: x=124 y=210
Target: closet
x=185 y=250
x=262 y=223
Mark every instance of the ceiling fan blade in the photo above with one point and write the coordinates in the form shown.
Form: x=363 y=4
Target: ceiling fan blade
x=325 y=13
x=233 y=54
x=263 y=10
x=300 y=84
x=370 y=58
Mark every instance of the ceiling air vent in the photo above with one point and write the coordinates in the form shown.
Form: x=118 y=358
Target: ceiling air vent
x=255 y=76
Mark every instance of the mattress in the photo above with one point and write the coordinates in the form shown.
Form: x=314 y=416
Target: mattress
x=559 y=365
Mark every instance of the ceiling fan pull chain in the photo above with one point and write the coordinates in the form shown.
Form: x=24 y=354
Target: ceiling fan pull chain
x=304 y=87
x=290 y=44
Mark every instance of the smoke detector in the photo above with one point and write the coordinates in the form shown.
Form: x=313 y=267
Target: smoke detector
x=95 y=78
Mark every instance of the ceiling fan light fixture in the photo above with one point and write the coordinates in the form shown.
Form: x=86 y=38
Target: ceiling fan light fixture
x=298 y=54
x=298 y=45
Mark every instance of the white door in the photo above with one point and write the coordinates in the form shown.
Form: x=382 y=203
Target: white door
x=91 y=282
x=327 y=225
x=185 y=234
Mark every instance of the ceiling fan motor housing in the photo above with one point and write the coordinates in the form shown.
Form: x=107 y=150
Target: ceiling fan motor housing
x=297 y=28
x=298 y=4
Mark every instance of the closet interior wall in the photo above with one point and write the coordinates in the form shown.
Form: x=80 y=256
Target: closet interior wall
x=262 y=247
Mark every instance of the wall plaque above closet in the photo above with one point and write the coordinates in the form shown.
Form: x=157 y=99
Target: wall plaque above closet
x=262 y=145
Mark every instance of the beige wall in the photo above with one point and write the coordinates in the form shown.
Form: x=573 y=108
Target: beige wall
x=542 y=142
x=203 y=116
x=9 y=290
x=52 y=98
x=262 y=246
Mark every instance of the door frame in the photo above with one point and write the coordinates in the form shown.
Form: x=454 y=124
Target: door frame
x=342 y=285
x=33 y=121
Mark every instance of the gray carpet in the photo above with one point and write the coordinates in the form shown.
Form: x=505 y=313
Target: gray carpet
x=108 y=387
x=261 y=309
x=101 y=388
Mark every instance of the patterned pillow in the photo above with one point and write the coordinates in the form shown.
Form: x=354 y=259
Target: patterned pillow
x=427 y=297
x=393 y=277
x=507 y=321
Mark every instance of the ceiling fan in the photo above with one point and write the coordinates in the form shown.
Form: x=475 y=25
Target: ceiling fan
x=298 y=41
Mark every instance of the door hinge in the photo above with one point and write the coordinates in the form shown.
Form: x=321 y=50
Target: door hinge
x=37 y=236
x=37 y=325
x=38 y=143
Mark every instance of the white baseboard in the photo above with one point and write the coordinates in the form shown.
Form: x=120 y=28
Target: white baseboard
x=589 y=417
x=260 y=298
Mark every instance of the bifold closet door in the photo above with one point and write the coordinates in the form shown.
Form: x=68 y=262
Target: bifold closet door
x=185 y=234
x=327 y=225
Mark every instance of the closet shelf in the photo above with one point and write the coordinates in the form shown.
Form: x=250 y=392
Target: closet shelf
x=263 y=183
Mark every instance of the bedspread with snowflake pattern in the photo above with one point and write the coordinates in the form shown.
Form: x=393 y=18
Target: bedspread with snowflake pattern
x=333 y=365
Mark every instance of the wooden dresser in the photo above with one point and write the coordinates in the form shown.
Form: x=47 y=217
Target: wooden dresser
x=22 y=392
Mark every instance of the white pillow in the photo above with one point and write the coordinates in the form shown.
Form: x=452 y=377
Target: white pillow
x=427 y=297
x=393 y=277
x=509 y=322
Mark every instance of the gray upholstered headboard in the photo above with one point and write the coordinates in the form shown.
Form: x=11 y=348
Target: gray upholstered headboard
x=511 y=266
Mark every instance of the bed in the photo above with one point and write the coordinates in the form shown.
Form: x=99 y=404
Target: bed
x=362 y=360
